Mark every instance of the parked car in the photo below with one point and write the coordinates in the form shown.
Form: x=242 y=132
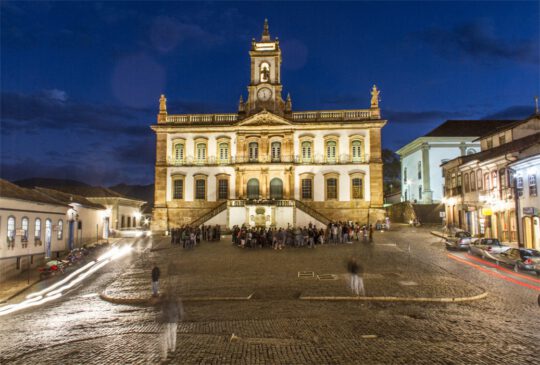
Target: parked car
x=487 y=247
x=460 y=241
x=520 y=259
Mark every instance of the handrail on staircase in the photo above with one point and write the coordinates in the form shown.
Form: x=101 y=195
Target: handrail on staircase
x=212 y=213
x=314 y=213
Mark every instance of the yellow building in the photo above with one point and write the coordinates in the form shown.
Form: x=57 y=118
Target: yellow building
x=268 y=165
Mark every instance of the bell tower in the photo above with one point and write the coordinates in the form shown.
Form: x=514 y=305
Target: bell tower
x=265 y=87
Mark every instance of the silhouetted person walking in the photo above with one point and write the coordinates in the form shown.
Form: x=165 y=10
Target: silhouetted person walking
x=155 y=280
x=171 y=312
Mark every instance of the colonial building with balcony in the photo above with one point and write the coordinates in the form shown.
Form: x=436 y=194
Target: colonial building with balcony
x=266 y=164
x=483 y=192
x=422 y=180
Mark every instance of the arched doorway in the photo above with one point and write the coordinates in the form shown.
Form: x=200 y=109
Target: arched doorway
x=276 y=188
x=253 y=189
x=48 y=237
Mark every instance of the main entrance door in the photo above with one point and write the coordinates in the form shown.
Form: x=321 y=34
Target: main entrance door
x=253 y=189
x=276 y=189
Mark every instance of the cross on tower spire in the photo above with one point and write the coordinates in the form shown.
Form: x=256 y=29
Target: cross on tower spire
x=266 y=34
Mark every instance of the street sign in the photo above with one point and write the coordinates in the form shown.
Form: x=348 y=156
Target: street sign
x=530 y=211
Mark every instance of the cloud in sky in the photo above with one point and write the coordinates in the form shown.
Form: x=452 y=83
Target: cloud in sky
x=477 y=41
x=512 y=112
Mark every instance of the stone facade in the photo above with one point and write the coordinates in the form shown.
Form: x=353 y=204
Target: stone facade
x=266 y=154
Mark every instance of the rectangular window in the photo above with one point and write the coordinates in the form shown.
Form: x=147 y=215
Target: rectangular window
x=419 y=170
x=494 y=179
x=502 y=139
x=357 y=191
x=489 y=143
x=200 y=189
x=473 y=181
x=223 y=189
x=307 y=189
x=178 y=192
x=533 y=191
x=486 y=181
x=467 y=183
x=420 y=192
x=331 y=188
x=519 y=185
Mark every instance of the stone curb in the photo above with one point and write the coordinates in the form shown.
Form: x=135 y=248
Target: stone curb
x=438 y=234
x=400 y=299
x=154 y=301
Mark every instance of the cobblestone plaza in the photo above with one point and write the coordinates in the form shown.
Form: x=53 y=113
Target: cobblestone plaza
x=277 y=325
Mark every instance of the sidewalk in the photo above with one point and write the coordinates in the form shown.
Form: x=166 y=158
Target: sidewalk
x=14 y=286
x=220 y=271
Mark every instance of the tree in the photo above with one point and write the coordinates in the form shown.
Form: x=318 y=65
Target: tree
x=391 y=171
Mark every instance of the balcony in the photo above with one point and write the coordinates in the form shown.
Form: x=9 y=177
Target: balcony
x=306 y=116
x=289 y=159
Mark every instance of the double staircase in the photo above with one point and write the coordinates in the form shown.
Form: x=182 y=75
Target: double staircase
x=280 y=203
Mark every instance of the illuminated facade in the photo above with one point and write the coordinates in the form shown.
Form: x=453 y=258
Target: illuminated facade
x=267 y=165
x=482 y=190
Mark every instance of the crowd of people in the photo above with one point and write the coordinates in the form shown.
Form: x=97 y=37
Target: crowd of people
x=189 y=236
x=308 y=236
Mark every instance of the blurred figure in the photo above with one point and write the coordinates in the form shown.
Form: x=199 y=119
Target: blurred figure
x=155 y=280
x=356 y=280
x=171 y=312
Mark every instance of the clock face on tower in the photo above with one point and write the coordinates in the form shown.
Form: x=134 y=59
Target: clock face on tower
x=264 y=94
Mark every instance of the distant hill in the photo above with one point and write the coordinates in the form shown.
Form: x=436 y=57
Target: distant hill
x=141 y=192
x=50 y=183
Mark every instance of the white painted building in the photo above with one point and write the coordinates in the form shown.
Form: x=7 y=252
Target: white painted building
x=267 y=164
x=32 y=228
x=527 y=177
x=421 y=174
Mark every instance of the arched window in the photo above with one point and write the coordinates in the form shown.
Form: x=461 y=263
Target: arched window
x=60 y=231
x=473 y=181
x=224 y=152
x=123 y=222
x=470 y=151
x=467 y=183
x=253 y=151
x=179 y=152
x=306 y=151
x=356 y=151
x=37 y=229
x=129 y=222
x=201 y=152
x=11 y=229
x=253 y=189
x=276 y=188
x=276 y=151
x=25 y=223
x=264 y=72
x=331 y=151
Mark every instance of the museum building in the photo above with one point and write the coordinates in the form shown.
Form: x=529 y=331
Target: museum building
x=267 y=165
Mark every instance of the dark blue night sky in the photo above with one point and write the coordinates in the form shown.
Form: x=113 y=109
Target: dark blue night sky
x=80 y=82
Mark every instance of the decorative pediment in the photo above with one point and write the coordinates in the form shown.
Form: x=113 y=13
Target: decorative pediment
x=265 y=118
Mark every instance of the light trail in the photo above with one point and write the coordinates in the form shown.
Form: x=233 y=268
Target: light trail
x=496 y=274
x=503 y=268
x=55 y=291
